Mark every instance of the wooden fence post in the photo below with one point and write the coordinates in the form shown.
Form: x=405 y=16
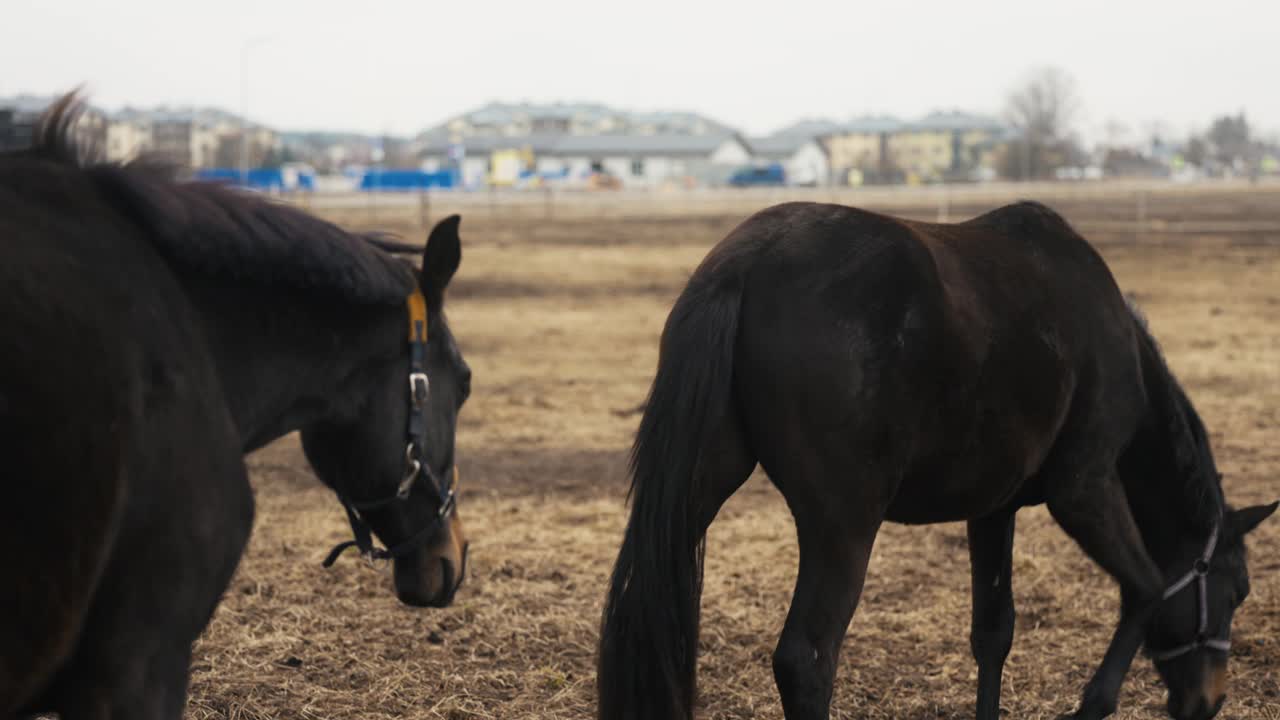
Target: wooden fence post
x=1140 y=213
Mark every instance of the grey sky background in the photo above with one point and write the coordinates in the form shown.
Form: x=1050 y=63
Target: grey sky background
x=379 y=65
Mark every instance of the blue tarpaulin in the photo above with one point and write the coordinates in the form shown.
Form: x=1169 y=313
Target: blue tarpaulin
x=408 y=179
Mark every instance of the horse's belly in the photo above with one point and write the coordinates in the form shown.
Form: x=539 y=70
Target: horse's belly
x=984 y=453
x=961 y=494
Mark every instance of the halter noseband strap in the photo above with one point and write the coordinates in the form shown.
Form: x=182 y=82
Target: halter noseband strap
x=1199 y=574
x=416 y=465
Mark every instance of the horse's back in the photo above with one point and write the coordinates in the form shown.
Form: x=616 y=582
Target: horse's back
x=1018 y=275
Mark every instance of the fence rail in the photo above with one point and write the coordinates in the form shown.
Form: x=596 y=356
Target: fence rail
x=943 y=202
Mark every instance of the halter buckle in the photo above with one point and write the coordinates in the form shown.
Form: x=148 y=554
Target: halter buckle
x=419 y=387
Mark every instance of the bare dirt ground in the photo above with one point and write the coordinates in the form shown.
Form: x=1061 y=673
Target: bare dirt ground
x=560 y=322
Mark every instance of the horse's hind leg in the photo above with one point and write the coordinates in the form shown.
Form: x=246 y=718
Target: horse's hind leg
x=836 y=533
x=991 y=636
x=154 y=688
x=833 y=565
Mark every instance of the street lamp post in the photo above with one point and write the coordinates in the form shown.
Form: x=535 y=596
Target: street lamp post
x=244 y=104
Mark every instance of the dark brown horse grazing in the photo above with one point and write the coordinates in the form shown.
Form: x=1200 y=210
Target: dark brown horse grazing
x=150 y=334
x=881 y=369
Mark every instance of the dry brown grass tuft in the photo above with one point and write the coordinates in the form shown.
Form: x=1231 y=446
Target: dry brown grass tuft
x=560 y=323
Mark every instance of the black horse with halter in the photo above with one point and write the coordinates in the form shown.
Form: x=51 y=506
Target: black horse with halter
x=416 y=465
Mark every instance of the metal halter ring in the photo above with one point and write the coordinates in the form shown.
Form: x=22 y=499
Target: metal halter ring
x=412 y=467
x=447 y=505
x=376 y=561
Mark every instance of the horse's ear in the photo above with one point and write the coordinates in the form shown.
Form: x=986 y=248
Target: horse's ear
x=1240 y=522
x=441 y=257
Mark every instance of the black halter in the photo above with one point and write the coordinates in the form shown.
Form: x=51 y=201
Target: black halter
x=1199 y=574
x=416 y=465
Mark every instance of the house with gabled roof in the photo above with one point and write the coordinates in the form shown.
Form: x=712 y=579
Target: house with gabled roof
x=804 y=158
x=638 y=161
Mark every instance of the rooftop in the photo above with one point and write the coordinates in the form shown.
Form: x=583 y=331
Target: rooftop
x=949 y=120
x=499 y=114
x=613 y=144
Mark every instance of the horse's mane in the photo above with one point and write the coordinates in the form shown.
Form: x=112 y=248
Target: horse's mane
x=1200 y=490
x=224 y=233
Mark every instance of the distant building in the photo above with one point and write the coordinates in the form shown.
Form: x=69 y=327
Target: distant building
x=943 y=146
x=939 y=146
x=127 y=140
x=17 y=128
x=524 y=119
x=509 y=120
x=649 y=161
x=481 y=160
x=804 y=159
x=184 y=143
x=859 y=150
x=330 y=152
x=639 y=161
x=810 y=127
x=264 y=147
x=20 y=117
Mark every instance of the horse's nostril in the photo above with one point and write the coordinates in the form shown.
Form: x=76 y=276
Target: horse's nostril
x=1197 y=708
x=462 y=576
x=446 y=575
x=444 y=595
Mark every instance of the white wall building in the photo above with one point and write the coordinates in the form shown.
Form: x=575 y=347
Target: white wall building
x=649 y=161
x=637 y=161
x=804 y=159
x=126 y=140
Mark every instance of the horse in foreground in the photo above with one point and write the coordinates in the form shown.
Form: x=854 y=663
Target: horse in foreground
x=883 y=369
x=151 y=333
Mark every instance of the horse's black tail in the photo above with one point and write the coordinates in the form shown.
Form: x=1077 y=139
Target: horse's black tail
x=649 y=637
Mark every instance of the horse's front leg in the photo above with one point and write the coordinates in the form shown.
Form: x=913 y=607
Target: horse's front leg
x=1095 y=513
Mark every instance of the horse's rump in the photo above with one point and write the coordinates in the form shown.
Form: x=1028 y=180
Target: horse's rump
x=65 y=422
x=71 y=400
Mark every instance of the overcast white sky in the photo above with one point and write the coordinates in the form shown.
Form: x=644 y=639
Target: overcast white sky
x=379 y=65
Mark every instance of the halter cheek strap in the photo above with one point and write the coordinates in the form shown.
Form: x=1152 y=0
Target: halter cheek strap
x=1199 y=574
x=415 y=462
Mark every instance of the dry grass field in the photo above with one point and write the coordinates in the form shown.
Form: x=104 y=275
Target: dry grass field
x=560 y=321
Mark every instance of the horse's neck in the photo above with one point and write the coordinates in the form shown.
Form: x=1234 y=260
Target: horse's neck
x=1158 y=467
x=285 y=359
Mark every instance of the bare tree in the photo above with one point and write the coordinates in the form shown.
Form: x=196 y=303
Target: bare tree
x=1197 y=151
x=1231 y=140
x=1043 y=110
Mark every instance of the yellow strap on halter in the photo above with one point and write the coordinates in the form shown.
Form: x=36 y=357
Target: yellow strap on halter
x=417 y=317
